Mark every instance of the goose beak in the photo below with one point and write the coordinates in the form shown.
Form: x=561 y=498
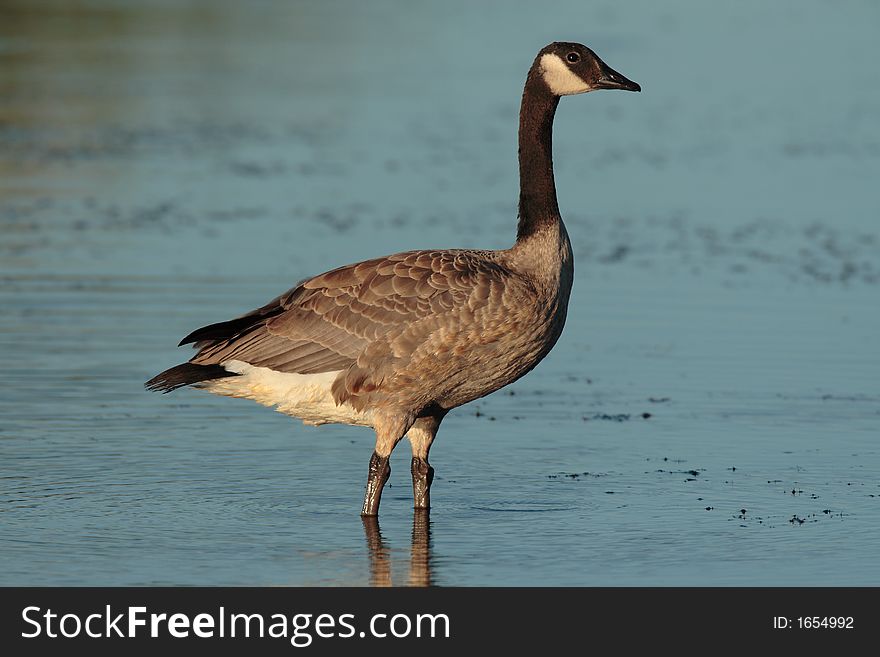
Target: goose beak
x=611 y=79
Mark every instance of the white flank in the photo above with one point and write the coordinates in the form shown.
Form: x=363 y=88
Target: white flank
x=561 y=80
x=305 y=396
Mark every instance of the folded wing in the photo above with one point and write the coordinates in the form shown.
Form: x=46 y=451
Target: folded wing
x=378 y=310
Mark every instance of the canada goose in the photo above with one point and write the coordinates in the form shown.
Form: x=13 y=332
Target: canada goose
x=395 y=343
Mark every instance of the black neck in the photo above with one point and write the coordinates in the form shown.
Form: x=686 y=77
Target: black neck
x=537 y=196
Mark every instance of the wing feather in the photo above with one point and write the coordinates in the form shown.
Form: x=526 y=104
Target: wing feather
x=370 y=312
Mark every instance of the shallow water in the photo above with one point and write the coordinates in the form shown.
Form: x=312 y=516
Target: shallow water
x=710 y=415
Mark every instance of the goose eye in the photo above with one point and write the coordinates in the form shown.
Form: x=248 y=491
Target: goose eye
x=573 y=57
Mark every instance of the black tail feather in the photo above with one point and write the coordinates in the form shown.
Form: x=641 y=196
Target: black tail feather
x=228 y=329
x=220 y=330
x=184 y=375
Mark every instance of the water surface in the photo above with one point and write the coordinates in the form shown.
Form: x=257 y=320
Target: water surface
x=709 y=417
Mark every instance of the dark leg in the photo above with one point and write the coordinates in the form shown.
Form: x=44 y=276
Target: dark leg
x=421 y=435
x=422 y=476
x=380 y=470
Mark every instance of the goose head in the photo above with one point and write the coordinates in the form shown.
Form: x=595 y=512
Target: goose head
x=572 y=68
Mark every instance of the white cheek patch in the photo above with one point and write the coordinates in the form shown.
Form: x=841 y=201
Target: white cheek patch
x=560 y=78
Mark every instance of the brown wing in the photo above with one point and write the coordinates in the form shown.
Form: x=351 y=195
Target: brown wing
x=371 y=310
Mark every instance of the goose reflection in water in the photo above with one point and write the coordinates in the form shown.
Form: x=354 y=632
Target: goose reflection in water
x=380 y=554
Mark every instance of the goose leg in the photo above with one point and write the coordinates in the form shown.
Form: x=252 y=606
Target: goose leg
x=422 y=476
x=421 y=435
x=380 y=470
x=389 y=431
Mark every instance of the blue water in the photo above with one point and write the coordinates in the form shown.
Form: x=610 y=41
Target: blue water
x=710 y=416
